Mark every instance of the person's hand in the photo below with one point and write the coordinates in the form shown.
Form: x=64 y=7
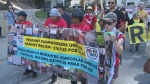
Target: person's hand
x=113 y=37
x=52 y=26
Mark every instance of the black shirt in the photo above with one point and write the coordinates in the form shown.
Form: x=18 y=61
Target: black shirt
x=120 y=17
x=131 y=22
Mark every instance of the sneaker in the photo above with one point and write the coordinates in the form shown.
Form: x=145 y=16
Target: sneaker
x=27 y=72
x=34 y=75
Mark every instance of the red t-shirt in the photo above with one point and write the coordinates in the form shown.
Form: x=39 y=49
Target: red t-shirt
x=117 y=55
x=90 y=20
x=82 y=27
x=25 y=23
x=60 y=23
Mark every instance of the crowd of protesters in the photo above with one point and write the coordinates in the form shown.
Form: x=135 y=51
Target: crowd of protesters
x=111 y=20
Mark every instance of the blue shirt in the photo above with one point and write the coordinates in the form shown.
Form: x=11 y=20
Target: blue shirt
x=67 y=18
x=11 y=17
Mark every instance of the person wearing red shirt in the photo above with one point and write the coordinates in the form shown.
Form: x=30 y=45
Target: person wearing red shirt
x=77 y=23
x=21 y=19
x=90 y=18
x=55 y=21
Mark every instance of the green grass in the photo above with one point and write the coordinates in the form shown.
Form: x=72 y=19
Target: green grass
x=40 y=14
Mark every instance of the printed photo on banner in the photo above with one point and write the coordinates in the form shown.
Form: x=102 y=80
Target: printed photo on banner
x=100 y=39
x=137 y=33
x=109 y=47
x=75 y=74
x=101 y=66
x=90 y=39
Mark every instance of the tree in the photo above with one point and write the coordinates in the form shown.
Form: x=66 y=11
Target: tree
x=38 y=3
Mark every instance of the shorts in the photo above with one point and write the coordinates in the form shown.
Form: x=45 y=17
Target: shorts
x=116 y=70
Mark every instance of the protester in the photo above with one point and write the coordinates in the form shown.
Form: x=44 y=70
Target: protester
x=136 y=19
x=77 y=18
x=143 y=14
x=21 y=19
x=10 y=15
x=55 y=21
x=90 y=18
x=110 y=20
x=121 y=21
x=64 y=14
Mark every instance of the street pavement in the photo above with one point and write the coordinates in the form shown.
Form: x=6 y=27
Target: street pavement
x=131 y=69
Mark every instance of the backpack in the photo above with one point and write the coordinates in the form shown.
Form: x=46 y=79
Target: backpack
x=116 y=34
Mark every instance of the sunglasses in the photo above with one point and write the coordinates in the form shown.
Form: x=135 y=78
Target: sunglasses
x=109 y=23
x=111 y=2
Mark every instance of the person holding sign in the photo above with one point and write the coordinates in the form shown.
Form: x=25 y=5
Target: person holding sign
x=55 y=21
x=110 y=20
x=90 y=18
x=21 y=19
x=77 y=18
x=135 y=20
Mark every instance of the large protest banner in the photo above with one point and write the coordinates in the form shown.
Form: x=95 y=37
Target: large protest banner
x=137 y=33
x=70 y=57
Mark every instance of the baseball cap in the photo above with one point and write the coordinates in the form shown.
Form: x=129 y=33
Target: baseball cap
x=77 y=13
x=89 y=7
x=21 y=13
x=54 y=12
x=110 y=16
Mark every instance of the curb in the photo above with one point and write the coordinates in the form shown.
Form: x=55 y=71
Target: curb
x=39 y=22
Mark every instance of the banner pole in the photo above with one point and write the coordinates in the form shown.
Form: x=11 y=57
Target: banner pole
x=4 y=26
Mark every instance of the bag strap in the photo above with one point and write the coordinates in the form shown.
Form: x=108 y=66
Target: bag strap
x=117 y=33
x=12 y=15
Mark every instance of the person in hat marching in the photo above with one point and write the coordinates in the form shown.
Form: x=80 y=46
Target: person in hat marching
x=77 y=18
x=55 y=21
x=21 y=19
x=110 y=20
x=90 y=18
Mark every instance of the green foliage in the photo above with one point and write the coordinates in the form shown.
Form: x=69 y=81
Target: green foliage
x=40 y=14
x=69 y=10
x=38 y=3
